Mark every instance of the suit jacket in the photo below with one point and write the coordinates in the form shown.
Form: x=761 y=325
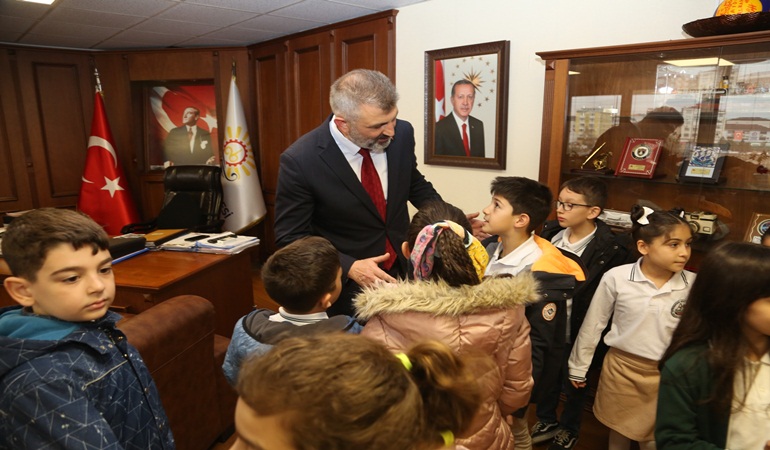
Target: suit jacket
x=176 y=148
x=449 y=142
x=319 y=194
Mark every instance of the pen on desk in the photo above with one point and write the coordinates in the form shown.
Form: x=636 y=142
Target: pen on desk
x=222 y=238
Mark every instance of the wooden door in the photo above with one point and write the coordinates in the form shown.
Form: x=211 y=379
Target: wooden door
x=56 y=96
x=15 y=190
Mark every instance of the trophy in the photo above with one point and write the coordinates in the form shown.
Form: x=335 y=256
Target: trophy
x=600 y=163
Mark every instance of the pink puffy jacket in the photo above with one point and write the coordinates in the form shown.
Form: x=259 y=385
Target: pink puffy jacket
x=487 y=318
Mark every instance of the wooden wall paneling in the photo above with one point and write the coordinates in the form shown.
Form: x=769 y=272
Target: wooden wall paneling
x=269 y=87
x=368 y=45
x=15 y=191
x=177 y=64
x=309 y=68
x=57 y=99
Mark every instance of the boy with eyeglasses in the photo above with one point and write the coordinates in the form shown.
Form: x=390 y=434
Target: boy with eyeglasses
x=519 y=206
x=577 y=229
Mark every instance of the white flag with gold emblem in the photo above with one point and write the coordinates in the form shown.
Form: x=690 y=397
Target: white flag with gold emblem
x=244 y=205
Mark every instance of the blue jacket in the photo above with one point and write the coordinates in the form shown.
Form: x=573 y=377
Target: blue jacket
x=255 y=334
x=89 y=389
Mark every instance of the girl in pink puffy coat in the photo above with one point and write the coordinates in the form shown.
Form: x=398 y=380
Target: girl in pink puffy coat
x=448 y=301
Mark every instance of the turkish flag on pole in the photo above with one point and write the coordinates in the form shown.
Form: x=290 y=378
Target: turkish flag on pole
x=439 y=90
x=103 y=193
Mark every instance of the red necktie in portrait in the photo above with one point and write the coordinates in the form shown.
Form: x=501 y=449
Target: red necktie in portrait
x=466 y=143
x=371 y=182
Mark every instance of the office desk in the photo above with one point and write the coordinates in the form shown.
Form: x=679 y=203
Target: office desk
x=150 y=278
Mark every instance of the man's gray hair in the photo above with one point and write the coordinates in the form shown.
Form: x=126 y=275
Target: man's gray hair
x=362 y=87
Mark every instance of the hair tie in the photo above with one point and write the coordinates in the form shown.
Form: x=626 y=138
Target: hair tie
x=405 y=361
x=645 y=214
x=423 y=253
x=448 y=437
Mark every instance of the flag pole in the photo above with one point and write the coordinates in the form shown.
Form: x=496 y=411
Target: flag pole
x=98 y=81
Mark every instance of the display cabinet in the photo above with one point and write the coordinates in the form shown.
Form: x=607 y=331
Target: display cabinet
x=713 y=161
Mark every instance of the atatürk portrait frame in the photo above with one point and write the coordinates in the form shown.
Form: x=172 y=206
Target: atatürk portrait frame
x=484 y=68
x=163 y=105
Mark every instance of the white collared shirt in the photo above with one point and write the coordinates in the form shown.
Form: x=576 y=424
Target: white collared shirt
x=749 y=425
x=350 y=152
x=643 y=316
x=460 y=123
x=561 y=240
x=297 y=319
x=518 y=260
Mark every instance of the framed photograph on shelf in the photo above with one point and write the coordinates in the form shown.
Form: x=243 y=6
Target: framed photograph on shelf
x=180 y=123
x=703 y=163
x=760 y=222
x=639 y=157
x=466 y=105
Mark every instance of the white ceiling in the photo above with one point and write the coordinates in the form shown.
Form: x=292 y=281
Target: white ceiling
x=125 y=24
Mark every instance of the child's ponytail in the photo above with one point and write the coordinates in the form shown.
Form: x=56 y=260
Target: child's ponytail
x=450 y=392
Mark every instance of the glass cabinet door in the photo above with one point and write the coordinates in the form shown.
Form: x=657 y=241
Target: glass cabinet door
x=675 y=128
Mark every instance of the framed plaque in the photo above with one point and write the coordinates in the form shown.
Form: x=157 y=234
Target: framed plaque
x=639 y=157
x=703 y=163
x=757 y=227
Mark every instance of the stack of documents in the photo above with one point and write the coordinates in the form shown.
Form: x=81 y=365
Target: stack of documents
x=225 y=243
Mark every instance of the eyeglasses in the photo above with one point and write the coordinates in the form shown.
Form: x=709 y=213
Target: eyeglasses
x=568 y=206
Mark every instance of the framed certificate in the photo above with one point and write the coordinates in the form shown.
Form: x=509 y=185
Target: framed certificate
x=639 y=157
x=757 y=227
x=703 y=163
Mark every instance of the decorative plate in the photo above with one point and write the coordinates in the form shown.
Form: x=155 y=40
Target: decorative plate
x=729 y=24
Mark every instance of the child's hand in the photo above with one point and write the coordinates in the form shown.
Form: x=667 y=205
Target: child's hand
x=582 y=384
x=767 y=445
x=477 y=224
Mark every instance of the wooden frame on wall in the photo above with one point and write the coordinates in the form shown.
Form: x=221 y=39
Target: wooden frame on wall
x=484 y=67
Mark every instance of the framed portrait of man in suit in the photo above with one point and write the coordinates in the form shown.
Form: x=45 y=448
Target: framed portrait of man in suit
x=466 y=104
x=180 y=124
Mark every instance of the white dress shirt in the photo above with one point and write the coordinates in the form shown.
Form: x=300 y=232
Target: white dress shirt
x=513 y=263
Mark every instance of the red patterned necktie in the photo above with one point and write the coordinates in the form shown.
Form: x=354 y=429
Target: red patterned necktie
x=466 y=143
x=371 y=182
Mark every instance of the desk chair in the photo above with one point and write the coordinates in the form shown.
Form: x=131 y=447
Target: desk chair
x=193 y=199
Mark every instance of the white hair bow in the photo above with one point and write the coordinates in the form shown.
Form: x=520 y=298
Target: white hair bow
x=644 y=219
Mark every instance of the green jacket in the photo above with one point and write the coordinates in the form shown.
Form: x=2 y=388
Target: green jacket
x=683 y=421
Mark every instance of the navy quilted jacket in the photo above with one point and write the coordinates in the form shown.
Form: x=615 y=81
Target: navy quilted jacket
x=89 y=390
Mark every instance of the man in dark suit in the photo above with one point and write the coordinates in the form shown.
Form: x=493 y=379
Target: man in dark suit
x=450 y=140
x=321 y=191
x=188 y=144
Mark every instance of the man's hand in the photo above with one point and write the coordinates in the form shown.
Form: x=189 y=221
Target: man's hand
x=366 y=272
x=477 y=224
x=578 y=384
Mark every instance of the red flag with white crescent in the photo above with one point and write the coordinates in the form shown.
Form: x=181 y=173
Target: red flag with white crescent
x=439 y=90
x=104 y=194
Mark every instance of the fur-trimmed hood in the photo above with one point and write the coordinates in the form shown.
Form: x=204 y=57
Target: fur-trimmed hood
x=438 y=298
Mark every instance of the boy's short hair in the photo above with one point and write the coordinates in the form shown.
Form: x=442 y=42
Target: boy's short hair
x=30 y=237
x=594 y=189
x=298 y=275
x=525 y=196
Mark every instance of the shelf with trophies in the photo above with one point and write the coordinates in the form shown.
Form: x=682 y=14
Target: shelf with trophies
x=682 y=123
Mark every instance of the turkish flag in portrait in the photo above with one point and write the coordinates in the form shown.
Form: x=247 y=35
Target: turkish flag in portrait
x=104 y=194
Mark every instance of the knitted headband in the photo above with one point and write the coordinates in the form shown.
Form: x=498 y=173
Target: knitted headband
x=422 y=256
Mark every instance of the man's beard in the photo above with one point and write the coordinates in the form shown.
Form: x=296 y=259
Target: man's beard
x=372 y=144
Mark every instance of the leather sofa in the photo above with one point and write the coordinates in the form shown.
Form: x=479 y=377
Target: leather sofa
x=177 y=342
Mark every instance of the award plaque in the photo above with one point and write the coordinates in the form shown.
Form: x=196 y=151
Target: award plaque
x=759 y=224
x=639 y=157
x=703 y=163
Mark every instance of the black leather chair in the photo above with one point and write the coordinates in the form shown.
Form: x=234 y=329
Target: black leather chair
x=193 y=200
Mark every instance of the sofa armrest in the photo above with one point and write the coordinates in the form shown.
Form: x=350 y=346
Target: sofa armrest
x=176 y=341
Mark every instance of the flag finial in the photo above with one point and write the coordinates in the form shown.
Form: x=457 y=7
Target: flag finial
x=233 y=69
x=98 y=81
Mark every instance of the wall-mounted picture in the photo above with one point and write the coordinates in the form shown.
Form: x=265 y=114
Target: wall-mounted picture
x=181 y=124
x=466 y=105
